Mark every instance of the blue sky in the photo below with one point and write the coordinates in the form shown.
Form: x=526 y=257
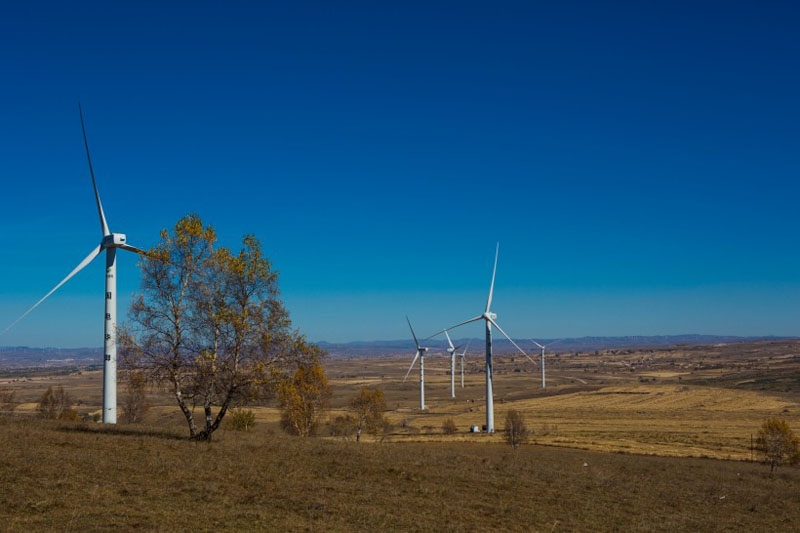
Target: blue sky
x=638 y=163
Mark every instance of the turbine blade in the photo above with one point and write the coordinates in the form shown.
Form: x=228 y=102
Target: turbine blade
x=512 y=342
x=465 y=349
x=536 y=343
x=551 y=343
x=448 y=340
x=453 y=327
x=412 y=332
x=103 y=223
x=77 y=269
x=412 y=366
x=494 y=271
x=133 y=249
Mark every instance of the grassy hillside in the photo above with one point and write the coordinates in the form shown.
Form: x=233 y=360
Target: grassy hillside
x=77 y=477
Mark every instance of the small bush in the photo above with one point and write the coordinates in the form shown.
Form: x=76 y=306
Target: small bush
x=777 y=443
x=135 y=404
x=240 y=420
x=449 y=427
x=367 y=408
x=386 y=428
x=343 y=426
x=7 y=403
x=56 y=404
x=516 y=432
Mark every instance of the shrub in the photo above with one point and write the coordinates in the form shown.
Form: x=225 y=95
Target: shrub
x=777 y=443
x=7 y=403
x=304 y=399
x=343 y=426
x=516 y=432
x=240 y=420
x=135 y=405
x=449 y=427
x=368 y=408
x=385 y=429
x=56 y=404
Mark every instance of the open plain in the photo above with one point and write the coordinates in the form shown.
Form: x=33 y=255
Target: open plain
x=693 y=409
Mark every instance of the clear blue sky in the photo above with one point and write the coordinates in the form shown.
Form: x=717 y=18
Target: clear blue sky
x=638 y=163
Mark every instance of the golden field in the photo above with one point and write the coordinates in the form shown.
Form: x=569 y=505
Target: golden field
x=693 y=401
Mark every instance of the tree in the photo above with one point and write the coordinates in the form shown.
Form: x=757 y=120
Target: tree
x=56 y=404
x=367 y=409
x=209 y=324
x=449 y=427
x=777 y=443
x=303 y=399
x=7 y=402
x=240 y=420
x=135 y=404
x=516 y=432
x=343 y=426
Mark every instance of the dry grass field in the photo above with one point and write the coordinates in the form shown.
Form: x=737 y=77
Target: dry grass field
x=682 y=403
x=78 y=477
x=688 y=401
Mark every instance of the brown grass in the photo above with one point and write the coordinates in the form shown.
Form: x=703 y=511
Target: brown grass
x=706 y=401
x=60 y=476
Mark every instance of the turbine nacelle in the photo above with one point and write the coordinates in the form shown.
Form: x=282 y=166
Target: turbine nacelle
x=115 y=240
x=489 y=315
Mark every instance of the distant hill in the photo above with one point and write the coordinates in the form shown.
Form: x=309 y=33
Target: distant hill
x=24 y=356
x=502 y=346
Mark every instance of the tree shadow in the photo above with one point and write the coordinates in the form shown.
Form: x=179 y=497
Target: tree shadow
x=126 y=432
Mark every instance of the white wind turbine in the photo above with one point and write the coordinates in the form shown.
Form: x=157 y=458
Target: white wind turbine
x=452 y=351
x=489 y=317
x=461 y=356
x=420 y=354
x=543 y=348
x=110 y=242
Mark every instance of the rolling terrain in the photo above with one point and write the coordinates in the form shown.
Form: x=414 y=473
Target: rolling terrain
x=664 y=411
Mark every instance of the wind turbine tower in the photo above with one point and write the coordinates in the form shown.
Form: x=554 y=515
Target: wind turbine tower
x=489 y=318
x=461 y=356
x=543 y=347
x=452 y=351
x=110 y=243
x=420 y=354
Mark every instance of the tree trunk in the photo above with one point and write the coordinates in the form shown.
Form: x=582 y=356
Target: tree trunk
x=186 y=411
x=210 y=429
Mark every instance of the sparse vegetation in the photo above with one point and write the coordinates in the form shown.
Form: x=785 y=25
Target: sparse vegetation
x=56 y=404
x=777 y=443
x=135 y=403
x=368 y=411
x=8 y=402
x=303 y=400
x=240 y=420
x=250 y=482
x=516 y=431
x=343 y=426
x=449 y=427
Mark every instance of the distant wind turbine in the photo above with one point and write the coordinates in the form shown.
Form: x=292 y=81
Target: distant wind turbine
x=110 y=242
x=489 y=319
x=461 y=356
x=420 y=354
x=543 y=347
x=452 y=351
